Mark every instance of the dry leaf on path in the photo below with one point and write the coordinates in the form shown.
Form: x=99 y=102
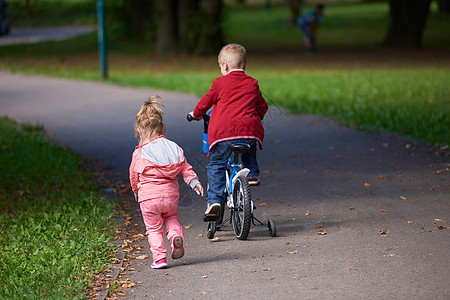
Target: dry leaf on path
x=384 y=231
x=383 y=210
x=142 y=257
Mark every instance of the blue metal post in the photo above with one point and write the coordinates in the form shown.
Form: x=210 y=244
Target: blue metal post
x=102 y=37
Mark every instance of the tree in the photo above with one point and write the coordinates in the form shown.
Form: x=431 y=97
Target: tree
x=406 y=23
x=444 y=6
x=191 y=26
x=295 y=8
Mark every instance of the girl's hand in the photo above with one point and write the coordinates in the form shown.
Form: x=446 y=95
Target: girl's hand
x=199 y=189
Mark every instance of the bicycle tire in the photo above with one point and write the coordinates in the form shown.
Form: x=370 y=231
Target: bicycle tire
x=211 y=230
x=242 y=211
x=272 y=228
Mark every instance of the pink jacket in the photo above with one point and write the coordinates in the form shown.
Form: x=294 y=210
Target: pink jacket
x=154 y=169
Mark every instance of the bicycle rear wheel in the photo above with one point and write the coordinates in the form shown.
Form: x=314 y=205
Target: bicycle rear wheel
x=242 y=212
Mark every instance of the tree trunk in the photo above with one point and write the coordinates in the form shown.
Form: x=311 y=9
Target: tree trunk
x=406 y=23
x=295 y=8
x=211 y=37
x=444 y=6
x=140 y=13
x=166 y=39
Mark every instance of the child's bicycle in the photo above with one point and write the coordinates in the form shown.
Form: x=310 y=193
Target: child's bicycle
x=238 y=197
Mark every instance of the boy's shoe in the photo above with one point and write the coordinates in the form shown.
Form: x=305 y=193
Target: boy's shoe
x=177 y=247
x=253 y=181
x=160 y=264
x=212 y=212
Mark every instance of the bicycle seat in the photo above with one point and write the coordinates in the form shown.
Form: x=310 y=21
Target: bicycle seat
x=239 y=147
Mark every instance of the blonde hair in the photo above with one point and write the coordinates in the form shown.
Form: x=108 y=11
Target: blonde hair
x=149 y=120
x=234 y=55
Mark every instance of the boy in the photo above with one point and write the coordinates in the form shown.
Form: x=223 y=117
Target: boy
x=309 y=23
x=238 y=110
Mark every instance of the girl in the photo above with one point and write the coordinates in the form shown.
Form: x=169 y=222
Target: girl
x=154 y=169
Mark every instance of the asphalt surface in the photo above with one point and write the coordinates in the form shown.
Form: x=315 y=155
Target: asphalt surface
x=29 y=35
x=379 y=198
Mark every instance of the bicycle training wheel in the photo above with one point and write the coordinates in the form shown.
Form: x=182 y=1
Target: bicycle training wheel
x=242 y=211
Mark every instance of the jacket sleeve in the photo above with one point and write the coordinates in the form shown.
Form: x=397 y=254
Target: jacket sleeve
x=134 y=176
x=188 y=174
x=261 y=106
x=207 y=101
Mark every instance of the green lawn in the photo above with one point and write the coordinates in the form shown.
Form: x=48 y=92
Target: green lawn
x=55 y=229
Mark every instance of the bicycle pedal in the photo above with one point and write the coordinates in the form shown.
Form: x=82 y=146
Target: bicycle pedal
x=210 y=217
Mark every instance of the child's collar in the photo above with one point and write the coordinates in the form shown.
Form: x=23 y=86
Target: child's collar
x=238 y=70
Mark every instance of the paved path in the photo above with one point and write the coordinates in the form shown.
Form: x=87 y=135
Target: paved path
x=29 y=35
x=314 y=172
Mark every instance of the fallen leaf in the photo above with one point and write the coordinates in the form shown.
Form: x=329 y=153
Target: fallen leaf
x=263 y=204
x=321 y=232
x=166 y=274
x=292 y=252
x=351 y=208
x=439 y=220
x=403 y=198
x=200 y=235
x=319 y=226
x=307 y=214
x=293 y=219
x=347 y=268
x=389 y=255
x=142 y=257
x=215 y=239
x=366 y=185
x=268 y=269
x=205 y=276
x=187 y=226
x=381 y=177
x=409 y=222
x=384 y=231
x=187 y=263
x=383 y=210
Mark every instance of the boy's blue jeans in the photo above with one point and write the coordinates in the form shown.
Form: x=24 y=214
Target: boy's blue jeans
x=218 y=158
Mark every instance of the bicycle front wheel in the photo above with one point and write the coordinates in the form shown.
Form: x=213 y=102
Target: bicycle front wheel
x=242 y=211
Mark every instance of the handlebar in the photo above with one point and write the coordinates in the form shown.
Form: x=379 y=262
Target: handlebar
x=205 y=118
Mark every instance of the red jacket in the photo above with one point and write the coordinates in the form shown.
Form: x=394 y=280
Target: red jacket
x=238 y=109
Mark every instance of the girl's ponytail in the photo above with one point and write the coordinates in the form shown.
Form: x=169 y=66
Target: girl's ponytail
x=149 y=120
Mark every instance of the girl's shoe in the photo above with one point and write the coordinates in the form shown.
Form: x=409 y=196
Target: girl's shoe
x=160 y=264
x=177 y=247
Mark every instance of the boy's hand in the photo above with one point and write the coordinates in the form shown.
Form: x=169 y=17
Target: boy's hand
x=199 y=189
x=196 y=119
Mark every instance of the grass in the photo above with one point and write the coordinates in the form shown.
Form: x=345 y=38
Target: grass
x=353 y=79
x=55 y=229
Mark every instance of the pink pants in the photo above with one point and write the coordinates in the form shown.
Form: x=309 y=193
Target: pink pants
x=156 y=213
